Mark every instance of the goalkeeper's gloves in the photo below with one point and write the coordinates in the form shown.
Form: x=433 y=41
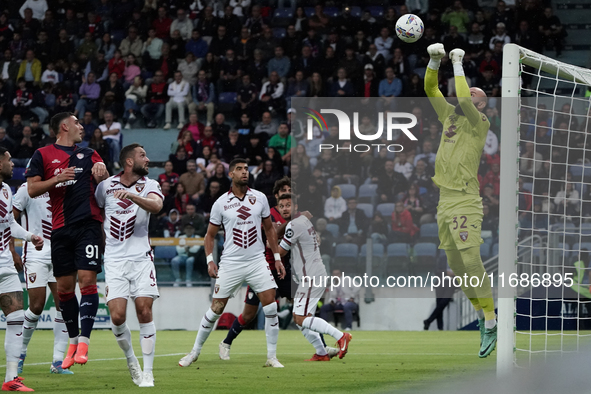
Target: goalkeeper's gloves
x=436 y=52
x=457 y=57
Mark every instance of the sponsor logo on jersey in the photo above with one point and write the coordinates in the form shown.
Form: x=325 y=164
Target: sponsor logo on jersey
x=216 y=289
x=55 y=161
x=32 y=277
x=451 y=131
x=463 y=236
x=252 y=199
x=125 y=203
x=80 y=156
x=139 y=187
x=243 y=212
x=226 y=207
x=244 y=239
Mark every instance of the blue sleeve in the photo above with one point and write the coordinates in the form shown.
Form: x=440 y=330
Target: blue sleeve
x=381 y=89
x=397 y=88
x=35 y=166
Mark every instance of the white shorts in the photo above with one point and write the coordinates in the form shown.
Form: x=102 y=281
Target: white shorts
x=38 y=274
x=256 y=274
x=9 y=280
x=125 y=279
x=306 y=299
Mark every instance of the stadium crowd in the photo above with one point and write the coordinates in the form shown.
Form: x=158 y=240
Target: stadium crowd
x=228 y=71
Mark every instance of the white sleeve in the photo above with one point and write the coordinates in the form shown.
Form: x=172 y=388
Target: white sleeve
x=215 y=216
x=99 y=194
x=266 y=210
x=287 y=238
x=154 y=187
x=21 y=198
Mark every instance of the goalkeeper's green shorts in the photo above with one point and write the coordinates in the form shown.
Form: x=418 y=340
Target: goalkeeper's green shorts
x=459 y=217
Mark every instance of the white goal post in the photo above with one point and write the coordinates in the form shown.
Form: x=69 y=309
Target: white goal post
x=556 y=74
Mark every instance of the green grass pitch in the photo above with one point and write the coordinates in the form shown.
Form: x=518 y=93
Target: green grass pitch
x=378 y=361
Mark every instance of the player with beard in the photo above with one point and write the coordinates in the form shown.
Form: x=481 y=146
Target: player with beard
x=11 y=291
x=459 y=213
x=128 y=199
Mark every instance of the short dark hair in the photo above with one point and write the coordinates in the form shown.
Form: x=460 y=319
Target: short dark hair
x=286 y=196
x=3 y=151
x=280 y=183
x=127 y=152
x=234 y=162
x=57 y=120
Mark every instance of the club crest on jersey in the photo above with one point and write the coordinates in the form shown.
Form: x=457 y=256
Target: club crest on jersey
x=252 y=199
x=5 y=192
x=216 y=289
x=139 y=187
x=32 y=277
x=80 y=156
x=463 y=236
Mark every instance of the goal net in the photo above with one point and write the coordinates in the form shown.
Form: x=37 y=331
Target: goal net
x=544 y=303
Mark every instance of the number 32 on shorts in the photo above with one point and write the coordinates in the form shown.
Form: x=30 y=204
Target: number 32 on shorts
x=460 y=221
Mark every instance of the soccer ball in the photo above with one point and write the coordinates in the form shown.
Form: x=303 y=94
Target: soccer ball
x=409 y=28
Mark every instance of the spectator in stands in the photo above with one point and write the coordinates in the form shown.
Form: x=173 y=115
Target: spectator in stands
x=327 y=66
x=491 y=199
x=43 y=48
x=112 y=96
x=15 y=129
x=422 y=174
x=327 y=239
x=245 y=47
x=209 y=139
x=300 y=158
x=267 y=178
x=246 y=100
x=43 y=102
x=391 y=183
x=193 y=182
x=179 y=160
x=177 y=91
x=456 y=16
x=155 y=99
x=196 y=219
x=87 y=48
x=230 y=72
x=169 y=175
x=493 y=176
x=30 y=69
x=99 y=65
x=185 y=257
x=267 y=43
x=384 y=43
x=162 y=24
x=428 y=155
x=531 y=161
x=389 y=88
x=343 y=298
x=221 y=42
x=4 y=101
x=500 y=36
x=282 y=142
x=403 y=227
x=219 y=175
x=203 y=96
x=24 y=149
x=188 y=68
x=475 y=42
x=413 y=203
x=194 y=126
x=64 y=100
x=271 y=95
x=134 y=98
x=132 y=71
x=335 y=205
x=185 y=139
x=233 y=147
x=111 y=131
x=567 y=201
x=342 y=87
x=152 y=49
x=9 y=69
x=172 y=222
x=353 y=223
x=106 y=45
x=89 y=126
x=177 y=45
x=5 y=141
x=490 y=223
x=311 y=197
x=379 y=229
x=306 y=63
x=402 y=165
x=183 y=24
x=444 y=295
x=279 y=64
x=203 y=159
x=100 y=145
x=37 y=8
x=212 y=193
x=219 y=127
x=207 y=23
x=255 y=151
x=453 y=39
x=552 y=31
x=197 y=46
x=117 y=64
x=63 y=48
x=131 y=44
x=351 y=65
x=18 y=46
x=266 y=128
x=300 y=21
x=376 y=59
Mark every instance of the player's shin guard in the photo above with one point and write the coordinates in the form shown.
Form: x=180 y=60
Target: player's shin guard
x=13 y=341
x=475 y=268
x=88 y=308
x=235 y=330
x=123 y=336
x=315 y=340
x=70 y=311
x=148 y=343
x=271 y=329
x=60 y=337
x=321 y=326
x=29 y=326
x=207 y=324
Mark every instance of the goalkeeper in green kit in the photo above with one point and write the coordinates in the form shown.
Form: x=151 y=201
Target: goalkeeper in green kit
x=459 y=213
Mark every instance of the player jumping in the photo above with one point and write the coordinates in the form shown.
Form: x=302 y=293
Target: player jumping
x=459 y=213
x=11 y=291
x=307 y=261
x=128 y=199
x=70 y=175
x=241 y=211
x=36 y=215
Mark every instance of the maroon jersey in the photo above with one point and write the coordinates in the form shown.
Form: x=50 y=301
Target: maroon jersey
x=275 y=217
x=71 y=201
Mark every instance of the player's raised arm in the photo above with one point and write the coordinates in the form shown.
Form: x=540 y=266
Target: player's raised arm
x=464 y=93
x=36 y=183
x=273 y=245
x=441 y=106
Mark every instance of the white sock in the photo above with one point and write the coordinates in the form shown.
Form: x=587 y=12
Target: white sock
x=271 y=329
x=488 y=324
x=314 y=338
x=284 y=313
x=148 y=343
x=207 y=324
x=13 y=342
x=480 y=313
x=322 y=327
x=123 y=336
x=29 y=326
x=60 y=337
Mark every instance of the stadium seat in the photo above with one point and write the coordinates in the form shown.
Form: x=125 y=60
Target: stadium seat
x=309 y=11
x=334 y=229
x=495 y=250
x=282 y=17
x=18 y=173
x=332 y=12
x=484 y=251
x=385 y=209
x=367 y=208
x=347 y=190
x=165 y=253
x=422 y=190
x=367 y=193
x=429 y=233
x=226 y=101
x=279 y=32
x=397 y=259
x=346 y=258
x=580 y=246
x=376 y=11
x=356 y=12
x=377 y=259
x=577 y=173
x=425 y=254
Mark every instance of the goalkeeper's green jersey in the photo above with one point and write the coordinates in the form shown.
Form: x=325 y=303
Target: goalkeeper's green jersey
x=462 y=139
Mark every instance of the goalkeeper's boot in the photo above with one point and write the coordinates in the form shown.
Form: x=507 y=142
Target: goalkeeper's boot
x=188 y=359
x=332 y=351
x=480 y=326
x=21 y=362
x=344 y=344
x=81 y=356
x=135 y=370
x=224 y=351
x=15 y=385
x=69 y=360
x=316 y=357
x=148 y=380
x=489 y=341
x=56 y=368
